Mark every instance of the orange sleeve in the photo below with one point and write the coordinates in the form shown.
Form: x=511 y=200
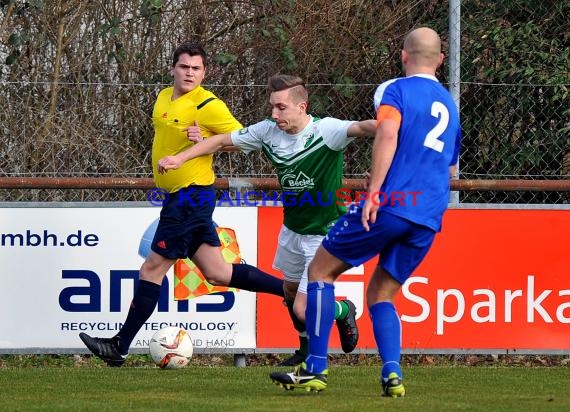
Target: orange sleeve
x=385 y=112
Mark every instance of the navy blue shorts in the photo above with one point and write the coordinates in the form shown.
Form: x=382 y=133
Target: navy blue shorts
x=401 y=244
x=186 y=223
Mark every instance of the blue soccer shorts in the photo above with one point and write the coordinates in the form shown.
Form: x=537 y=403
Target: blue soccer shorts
x=186 y=223
x=401 y=244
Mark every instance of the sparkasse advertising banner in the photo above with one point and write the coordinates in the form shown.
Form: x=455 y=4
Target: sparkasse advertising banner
x=67 y=270
x=493 y=280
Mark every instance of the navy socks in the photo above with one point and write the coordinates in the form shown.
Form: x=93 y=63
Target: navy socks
x=250 y=278
x=142 y=306
x=146 y=296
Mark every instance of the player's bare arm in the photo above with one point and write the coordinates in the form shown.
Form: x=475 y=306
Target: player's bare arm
x=207 y=146
x=364 y=128
x=383 y=150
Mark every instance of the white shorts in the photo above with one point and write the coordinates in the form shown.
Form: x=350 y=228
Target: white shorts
x=293 y=255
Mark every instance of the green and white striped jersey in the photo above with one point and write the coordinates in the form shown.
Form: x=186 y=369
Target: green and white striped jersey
x=309 y=169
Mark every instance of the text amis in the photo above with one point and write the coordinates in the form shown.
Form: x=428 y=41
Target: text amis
x=85 y=293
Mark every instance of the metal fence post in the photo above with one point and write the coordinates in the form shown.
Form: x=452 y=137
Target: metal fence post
x=454 y=64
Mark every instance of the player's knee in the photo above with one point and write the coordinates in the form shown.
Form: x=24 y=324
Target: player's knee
x=151 y=272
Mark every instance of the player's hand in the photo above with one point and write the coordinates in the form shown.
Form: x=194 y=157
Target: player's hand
x=193 y=133
x=168 y=163
x=369 y=211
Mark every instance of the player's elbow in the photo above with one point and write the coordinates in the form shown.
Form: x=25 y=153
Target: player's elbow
x=219 y=142
x=453 y=172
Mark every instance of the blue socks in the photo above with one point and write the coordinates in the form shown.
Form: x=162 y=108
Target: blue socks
x=387 y=332
x=319 y=318
x=142 y=306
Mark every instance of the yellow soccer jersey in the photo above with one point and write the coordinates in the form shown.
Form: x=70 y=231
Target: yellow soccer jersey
x=170 y=118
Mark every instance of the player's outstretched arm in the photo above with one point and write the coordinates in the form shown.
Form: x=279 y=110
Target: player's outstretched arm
x=206 y=146
x=364 y=128
x=383 y=151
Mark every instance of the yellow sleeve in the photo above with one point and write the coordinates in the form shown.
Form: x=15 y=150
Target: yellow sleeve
x=215 y=118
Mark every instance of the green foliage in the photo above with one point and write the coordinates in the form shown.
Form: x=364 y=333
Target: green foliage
x=26 y=7
x=515 y=75
x=111 y=28
x=12 y=57
x=515 y=129
x=320 y=104
x=120 y=54
x=289 y=56
x=151 y=9
x=277 y=31
x=345 y=86
x=223 y=59
x=15 y=40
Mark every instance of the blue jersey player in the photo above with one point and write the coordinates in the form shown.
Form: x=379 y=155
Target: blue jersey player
x=414 y=155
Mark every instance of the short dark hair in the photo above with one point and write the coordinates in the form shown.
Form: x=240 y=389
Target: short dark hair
x=295 y=84
x=191 y=49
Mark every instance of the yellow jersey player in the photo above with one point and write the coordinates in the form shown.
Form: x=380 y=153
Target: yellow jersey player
x=185 y=227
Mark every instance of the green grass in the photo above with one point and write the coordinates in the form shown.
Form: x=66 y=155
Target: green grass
x=64 y=387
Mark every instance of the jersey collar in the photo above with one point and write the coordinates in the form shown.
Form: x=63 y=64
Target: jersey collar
x=425 y=76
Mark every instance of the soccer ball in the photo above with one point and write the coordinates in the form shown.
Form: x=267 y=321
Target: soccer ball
x=171 y=348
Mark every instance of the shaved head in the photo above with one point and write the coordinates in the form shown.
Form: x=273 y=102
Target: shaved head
x=422 y=47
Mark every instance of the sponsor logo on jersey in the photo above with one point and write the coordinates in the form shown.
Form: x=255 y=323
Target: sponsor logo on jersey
x=298 y=182
x=309 y=140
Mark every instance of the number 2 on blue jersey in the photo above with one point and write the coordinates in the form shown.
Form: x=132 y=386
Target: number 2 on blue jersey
x=439 y=111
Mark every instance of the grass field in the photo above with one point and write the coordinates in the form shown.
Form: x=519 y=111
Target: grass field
x=65 y=386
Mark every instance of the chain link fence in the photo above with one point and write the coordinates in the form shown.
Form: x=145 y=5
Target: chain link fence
x=515 y=79
x=78 y=81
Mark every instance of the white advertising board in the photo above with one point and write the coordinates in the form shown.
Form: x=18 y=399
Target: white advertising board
x=67 y=270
